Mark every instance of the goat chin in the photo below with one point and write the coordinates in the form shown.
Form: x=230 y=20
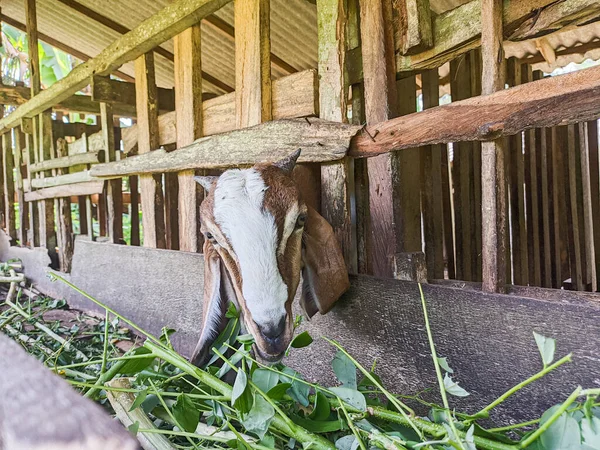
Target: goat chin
x=265 y=358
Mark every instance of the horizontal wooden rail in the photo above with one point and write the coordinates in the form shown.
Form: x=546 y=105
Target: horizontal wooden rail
x=105 y=89
x=68 y=190
x=162 y=26
x=60 y=180
x=69 y=161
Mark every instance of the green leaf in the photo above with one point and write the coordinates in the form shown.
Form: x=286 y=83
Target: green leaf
x=469 y=442
x=302 y=340
x=150 y=403
x=453 y=388
x=139 y=399
x=268 y=441
x=590 y=432
x=265 y=379
x=259 y=418
x=133 y=366
x=279 y=391
x=546 y=346
x=443 y=362
x=165 y=337
x=351 y=396
x=322 y=409
x=134 y=427
x=563 y=434
x=298 y=391
x=344 y=369
x=186 y=413
x=239 y=386
x=245 y=339
x=232 y=312
x=346 y=443
x=327 y=426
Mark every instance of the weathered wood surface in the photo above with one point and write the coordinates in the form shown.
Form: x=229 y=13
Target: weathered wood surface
x=552 y=101
x=9 y=185
x=105 y=89
x=412 y=26
x=487 y=338
x=293 y=96
x=113 y=197
x=63 y=162
x=64 y=227
x=60 y=180
x=29 y=391
x=319 y=140
x=18 y=95
x=159 y=28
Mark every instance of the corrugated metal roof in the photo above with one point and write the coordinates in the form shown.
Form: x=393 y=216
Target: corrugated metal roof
x=293 y=34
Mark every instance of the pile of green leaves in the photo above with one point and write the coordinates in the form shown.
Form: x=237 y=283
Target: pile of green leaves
x=237 y=402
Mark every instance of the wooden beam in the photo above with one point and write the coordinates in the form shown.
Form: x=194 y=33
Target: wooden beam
x=252 y=66
x=105 y=89
x=58 y=180
x=493 y=183
x=457 y=31
x=67 y=190
x=559 y=100
x=337 y=181
x=162 y=26
x=64 y=162
x=319 y=140
x=295 y=95
x=114 y=188
x=151 y=192
x=412 y=26
x=32 y=39
x=65 y=238
x=9 y=186
x=60 y=45
x=188 y=110
x=23 y=209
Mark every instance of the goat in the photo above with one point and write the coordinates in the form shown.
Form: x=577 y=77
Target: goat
x=260 y=236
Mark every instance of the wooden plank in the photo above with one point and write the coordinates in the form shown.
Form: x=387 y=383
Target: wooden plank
x=293 y=96
x=92 y=157
x=9 y=186
x=412 y=26
x=559 y=182
x=151 y=192
x=114 y=188
x=162 y=26
x=59 y=180
x=457 y=31
x=65 y=238
x=319 y=140
x=188 y=109
x=105 y=89
x=32 y=49
x=476 y=240
x=558 y=100
x=67 y=190
x=448 y=215
x=380 y=105
x=588 y=226
x=493 y=182
x=594 y=162
x=573 y=217
x=431 y=186
x=252 y=63
x=22 y=209
x=134 y=212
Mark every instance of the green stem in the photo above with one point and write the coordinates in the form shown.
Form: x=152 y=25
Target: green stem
x=163 y=393
x=99 y=361
x=436 y=364
x=105 y=349
x=537 y=433
x=106 y=376
x=351 y=425
x=524 y=383
x=513 y=427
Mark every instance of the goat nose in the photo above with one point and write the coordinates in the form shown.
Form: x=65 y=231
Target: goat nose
x=272 y=331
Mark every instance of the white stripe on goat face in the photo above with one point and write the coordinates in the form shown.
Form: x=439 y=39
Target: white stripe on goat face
x=252 y=233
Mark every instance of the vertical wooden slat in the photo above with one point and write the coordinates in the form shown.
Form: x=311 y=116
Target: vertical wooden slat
x=431 y=185
x=560 y=193
x=83 y=222
x=476 y=217
x=594 y=163
x=134 y=211
x=34 y=217
x=113 y=188
x=253 y=64
x=545 y=206
x=493 y=183
x=460 y=72
x=46 y=149
x=23 y=211
x=448 y=215
x=188 y=109
x=337 y=179
x=590 y=253
x=380 y=104
x=9 y=186
x=65 y=224
x=153 y=210
x=573 y=217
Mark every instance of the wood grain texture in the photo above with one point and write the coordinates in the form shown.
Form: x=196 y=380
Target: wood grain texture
x=64 y=162
x=9 y=186
x=151 y=192
x=595 y=189
x=573 y=192
x=159 y=28
x=45 y=147
x=189 y=117
x=320 y=141
x=107 y=90
x=68 y=190
x=65 y=236
x=20 y=172
x=588 y=226
x=293 y=96
x=412 y=26
x=503 y=113
x=114 y=188
x=58 y=180
x=252 y=62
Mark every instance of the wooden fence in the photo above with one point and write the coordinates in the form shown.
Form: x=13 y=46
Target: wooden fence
x=410 y=183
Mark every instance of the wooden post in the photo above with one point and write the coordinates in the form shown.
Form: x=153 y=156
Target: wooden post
x=134 y=210
x=114 y=195
x=23 y=207
x=188 y=110
x=380 y=105
x=594 y=163
x=590 y=251
x=493 y=184
x=46 y=151
x=153 y=211
x=9 y=186
x=253 y=62
x=573 y=216
x=65 y=224
x=337 y=179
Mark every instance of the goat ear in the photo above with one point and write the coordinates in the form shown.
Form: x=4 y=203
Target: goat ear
x=288 y=163
x=324 y=275
x=207 y=182
x=218 y=292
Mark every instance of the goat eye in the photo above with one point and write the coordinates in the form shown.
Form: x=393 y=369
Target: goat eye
x=210 y=237
x=300 y=221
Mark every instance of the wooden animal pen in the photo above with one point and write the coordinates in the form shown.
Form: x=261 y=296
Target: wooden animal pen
x=499 y=187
